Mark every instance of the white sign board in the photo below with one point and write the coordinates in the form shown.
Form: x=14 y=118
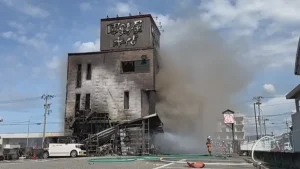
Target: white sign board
x=229 y=119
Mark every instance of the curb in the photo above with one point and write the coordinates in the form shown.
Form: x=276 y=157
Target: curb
x=255 y=164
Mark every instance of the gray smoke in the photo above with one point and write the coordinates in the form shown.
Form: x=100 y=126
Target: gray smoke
x=198 y=76
x=62 y=75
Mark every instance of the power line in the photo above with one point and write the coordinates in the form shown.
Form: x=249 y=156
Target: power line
x=277 y=104
x=22 y=124
x=275 y=96
x=21 y=100
x=26 y=99
x=272 y=115
x=267 y=97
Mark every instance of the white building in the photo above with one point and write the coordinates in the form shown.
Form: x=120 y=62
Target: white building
x=295 y=95
x=20 y=139
x=225 y=132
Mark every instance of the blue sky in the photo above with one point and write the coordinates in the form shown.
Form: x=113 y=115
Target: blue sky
x=35 y=37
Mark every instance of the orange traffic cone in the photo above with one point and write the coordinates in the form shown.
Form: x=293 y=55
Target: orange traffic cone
x=34 y=156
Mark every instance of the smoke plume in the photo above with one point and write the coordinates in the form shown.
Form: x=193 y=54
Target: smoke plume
x=198 y=76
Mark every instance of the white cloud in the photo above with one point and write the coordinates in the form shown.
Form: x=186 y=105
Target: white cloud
x=35 y=42
x=25 y=7
x=41 y=35
x=254 y=23
x=87 y=46
x=54 y=63
x=269 y=88
x=7 y=35
x=55 y=48
x=85 y=6
x=19 y=27
x=121 y=8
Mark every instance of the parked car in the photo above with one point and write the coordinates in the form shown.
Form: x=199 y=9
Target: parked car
x=287 y=147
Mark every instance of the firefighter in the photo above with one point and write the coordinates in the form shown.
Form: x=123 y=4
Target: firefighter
x=209 y=144
x=224 y=147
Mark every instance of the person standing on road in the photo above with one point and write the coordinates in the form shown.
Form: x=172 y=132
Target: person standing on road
x=224 y=147
x=209 y=144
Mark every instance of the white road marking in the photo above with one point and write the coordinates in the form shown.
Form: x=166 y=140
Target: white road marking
x=208 y=163
x=166 y=165
x=7 y=163
x=41 y=161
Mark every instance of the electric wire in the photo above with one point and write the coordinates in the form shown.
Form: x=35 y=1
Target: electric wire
x=25 y=99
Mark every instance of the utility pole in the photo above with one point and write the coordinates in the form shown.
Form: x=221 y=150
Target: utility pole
x=258 y=103
x=287 y=126
x=28 y=133
x=255 y=121
x=46 y=97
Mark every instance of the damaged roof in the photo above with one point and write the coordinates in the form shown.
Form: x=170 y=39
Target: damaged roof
x=154 y=121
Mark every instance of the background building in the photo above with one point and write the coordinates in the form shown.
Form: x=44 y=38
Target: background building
x=295 y=94
x=225 y=133
x=19 y=140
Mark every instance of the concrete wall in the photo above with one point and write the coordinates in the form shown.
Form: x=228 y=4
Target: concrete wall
x=296 y=132
x=131 y=32
x=108 y=83
x=279 y=159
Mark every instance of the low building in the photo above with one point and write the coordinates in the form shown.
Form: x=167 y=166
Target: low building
x=19 y=140
x=295 y=94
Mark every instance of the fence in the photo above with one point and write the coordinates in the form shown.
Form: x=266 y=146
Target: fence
x=279 y=143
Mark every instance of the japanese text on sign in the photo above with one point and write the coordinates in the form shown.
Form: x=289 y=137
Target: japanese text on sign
x=130 y=29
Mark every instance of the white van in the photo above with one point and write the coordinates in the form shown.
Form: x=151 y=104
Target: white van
x=63 y=147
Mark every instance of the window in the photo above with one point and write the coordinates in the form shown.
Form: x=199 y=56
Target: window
x=89 y=72
x=77 y=103
x=238 y=122
x=137 y=66
x=126 y=100
x=128 y=66
x=78 y=82
x=87 y=101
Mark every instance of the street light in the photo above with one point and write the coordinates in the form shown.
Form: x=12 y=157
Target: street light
x=265 y=126
x=28 y=130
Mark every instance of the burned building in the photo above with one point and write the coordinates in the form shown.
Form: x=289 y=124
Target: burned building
x=116 y=84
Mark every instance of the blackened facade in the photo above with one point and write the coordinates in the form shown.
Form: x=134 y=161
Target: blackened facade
x=117 y=83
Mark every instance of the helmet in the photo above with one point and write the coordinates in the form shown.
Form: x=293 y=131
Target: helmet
x=208 y=137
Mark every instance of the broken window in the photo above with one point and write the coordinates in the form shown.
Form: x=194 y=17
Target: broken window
x=77 y=103
x=87 y=101
x=89 y=72
x=137 y=66
x=126 y=100
x=78 y=82
x=128 y=66
x=142 y=66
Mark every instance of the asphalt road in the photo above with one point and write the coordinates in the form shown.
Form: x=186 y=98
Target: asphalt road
x=79 y=163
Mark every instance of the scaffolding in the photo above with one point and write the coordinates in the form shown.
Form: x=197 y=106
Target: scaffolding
x=127 y=138
x=86 y=123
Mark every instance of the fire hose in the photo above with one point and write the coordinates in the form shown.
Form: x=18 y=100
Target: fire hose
x=163 y=158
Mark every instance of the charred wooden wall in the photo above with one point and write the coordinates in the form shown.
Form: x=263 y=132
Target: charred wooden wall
x=108 y=84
